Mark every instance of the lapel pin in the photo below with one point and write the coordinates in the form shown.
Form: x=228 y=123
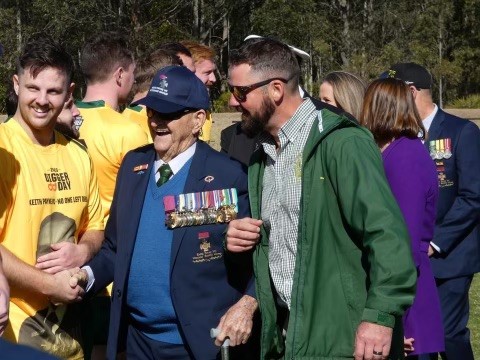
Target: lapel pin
x=139 y=168
x=209 y=178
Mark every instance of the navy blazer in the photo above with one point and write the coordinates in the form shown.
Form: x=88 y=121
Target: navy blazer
x=457 y=230
x=201 y=291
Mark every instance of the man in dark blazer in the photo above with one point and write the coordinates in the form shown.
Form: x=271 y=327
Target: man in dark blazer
x=171 y=286
x=235 y=143
x=454 y=145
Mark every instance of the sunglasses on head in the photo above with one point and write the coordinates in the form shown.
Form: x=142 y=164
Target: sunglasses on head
x=240 y=92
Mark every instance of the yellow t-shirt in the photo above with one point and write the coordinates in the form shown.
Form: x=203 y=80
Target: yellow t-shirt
x=47 y=195
x=109 y=136
x=138 y=114
x=207 y=128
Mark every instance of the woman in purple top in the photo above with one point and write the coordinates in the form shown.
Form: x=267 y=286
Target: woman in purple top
x=390 y=114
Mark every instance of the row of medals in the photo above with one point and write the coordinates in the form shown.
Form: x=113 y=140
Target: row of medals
x=224 y=214
x=442 y=153
x=438 y=154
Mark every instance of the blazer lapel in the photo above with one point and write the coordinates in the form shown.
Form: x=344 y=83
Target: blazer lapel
x=195 y=183
x=136 y=190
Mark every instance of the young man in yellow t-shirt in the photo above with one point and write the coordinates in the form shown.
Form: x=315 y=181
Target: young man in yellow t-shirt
x=50 y=212
x=107 y=65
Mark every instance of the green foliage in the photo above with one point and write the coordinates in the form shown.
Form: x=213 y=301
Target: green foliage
x=467 y=102
x=221 y=103
x=474 y=322
x=363 y=37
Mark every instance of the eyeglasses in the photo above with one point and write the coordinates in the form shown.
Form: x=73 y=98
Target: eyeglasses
x=167 y=117
x=240 y=92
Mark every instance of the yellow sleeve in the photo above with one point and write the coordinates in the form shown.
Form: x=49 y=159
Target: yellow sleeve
x=95 y=216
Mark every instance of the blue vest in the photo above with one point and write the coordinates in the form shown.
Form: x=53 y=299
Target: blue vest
x=148 y=294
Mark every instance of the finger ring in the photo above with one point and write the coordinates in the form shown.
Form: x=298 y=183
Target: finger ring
x=377 y=352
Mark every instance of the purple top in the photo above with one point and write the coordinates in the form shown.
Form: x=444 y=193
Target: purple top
x=412 y=177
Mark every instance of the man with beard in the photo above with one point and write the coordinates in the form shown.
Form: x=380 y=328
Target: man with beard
x=233 y=140
x=332 y=260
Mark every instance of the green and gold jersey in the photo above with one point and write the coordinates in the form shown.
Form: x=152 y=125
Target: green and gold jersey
x=138 y=114
x=109 y=136
x=48 y=194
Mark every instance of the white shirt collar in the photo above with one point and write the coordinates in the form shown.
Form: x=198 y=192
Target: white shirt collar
x=427 y=122
x=177 y=162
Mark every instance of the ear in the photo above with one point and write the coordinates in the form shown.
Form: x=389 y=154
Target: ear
x=198 y=119
x=118 y=75
x=277 y=90
x=15 y=83
x=414 y=91
x=70 y=90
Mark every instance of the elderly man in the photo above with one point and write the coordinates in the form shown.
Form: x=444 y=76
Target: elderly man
x=455 y=249
x=332 y=260
x=172 y=280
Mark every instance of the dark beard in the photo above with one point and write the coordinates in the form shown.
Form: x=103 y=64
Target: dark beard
x=254 y=124
x=66 y=130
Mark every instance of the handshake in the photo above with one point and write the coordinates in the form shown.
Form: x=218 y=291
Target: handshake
x=67 y=286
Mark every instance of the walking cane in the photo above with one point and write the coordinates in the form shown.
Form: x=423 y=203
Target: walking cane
x=226 y=343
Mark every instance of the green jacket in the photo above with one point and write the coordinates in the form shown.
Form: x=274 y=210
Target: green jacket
x=353 y=259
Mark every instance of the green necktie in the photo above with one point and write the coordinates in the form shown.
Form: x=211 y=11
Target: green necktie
x=165 y=173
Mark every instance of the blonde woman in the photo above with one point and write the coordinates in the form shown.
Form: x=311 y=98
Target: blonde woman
x=344 y=91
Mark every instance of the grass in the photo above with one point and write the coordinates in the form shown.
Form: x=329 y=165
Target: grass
x=474 y=323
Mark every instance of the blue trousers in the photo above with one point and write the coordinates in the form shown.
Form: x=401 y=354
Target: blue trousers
x=453 y=294
x=141 y=347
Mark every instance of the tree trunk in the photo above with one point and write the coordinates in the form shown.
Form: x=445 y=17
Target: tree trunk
x=196 y=19
x=19 y=27
x=344 y=12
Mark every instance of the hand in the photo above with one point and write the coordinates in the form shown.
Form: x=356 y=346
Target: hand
x=65 y=255
x=408 y=345
x=243 y=234
x=431 y=250
x=237 y=322
x=65 y=287
x=372 y=341
x=4 y=301
x=80 y=278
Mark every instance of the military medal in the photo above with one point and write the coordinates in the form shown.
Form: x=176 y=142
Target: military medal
x=432 y=148
x=200 y=208
x=439 y=146
x=448 y=148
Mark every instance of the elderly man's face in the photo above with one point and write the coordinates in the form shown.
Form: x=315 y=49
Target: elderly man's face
x=172 y=134
x=257 y=108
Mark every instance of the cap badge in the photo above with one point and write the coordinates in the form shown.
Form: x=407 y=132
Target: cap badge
x=163 y=82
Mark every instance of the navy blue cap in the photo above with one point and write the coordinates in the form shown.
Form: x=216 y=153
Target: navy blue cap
x=175 y=89
x=412 y=74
